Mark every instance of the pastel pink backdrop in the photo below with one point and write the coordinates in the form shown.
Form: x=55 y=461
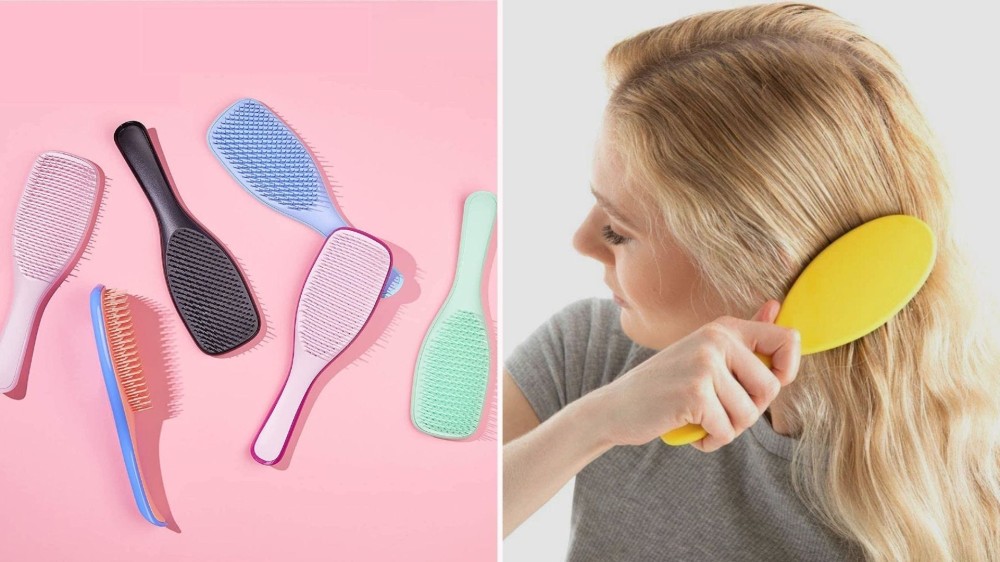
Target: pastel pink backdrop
x=399 y=99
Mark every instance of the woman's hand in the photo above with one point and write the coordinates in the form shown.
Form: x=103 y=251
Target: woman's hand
x=711 y=378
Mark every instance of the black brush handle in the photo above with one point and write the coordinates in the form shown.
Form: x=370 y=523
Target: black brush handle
x=133 y=141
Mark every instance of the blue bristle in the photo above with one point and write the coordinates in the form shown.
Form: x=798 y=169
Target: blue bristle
x=271 y=159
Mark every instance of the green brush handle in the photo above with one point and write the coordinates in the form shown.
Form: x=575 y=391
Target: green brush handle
x=477 y=225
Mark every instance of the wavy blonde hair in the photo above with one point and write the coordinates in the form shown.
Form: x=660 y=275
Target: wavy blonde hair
x=765 y=133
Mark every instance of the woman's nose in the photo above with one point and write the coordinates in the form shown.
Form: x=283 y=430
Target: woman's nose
x=587 y=239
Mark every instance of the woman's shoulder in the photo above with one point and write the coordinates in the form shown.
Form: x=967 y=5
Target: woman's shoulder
x=592 y=328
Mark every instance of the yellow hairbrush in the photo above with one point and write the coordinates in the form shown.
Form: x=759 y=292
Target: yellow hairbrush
x=854 y=286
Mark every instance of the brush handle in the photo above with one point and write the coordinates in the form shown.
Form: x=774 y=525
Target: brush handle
x=693 y=432
x=272 y=440
x=28 y=295
x=136 y=147
x=477 y=225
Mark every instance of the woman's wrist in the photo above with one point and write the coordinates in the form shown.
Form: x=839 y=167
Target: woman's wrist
x=591 y=421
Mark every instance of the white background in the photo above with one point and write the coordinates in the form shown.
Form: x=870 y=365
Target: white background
x=553 y=95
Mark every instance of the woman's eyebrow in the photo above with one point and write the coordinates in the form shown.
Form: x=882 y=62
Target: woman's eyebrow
x=609 y=208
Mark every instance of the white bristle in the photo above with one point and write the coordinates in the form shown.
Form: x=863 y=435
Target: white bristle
x=54 y=215
x=124 y=355
x=341 y=292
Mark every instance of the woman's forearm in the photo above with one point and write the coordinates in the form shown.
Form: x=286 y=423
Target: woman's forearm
x=540 y=462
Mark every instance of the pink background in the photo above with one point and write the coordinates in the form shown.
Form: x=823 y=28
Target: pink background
x=399 y=100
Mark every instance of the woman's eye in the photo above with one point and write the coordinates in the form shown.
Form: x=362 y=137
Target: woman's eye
x=613 y=237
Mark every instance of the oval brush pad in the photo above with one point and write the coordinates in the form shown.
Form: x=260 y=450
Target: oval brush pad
x=339 y=296
x=453 y=368
x=206 y=286
x=54 y=220
x=270 y=161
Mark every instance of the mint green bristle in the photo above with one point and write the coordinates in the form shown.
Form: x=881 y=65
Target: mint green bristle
x=452 y=375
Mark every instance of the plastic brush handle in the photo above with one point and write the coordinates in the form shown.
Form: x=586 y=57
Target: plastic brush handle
x=133 y=141
x=273 y=438
x=28 y=295
x=477 y=226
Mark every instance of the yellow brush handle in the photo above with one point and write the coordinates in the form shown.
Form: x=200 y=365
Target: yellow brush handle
x=693 y=432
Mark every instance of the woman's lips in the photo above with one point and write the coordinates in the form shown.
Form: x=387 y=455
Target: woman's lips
x=619 y=301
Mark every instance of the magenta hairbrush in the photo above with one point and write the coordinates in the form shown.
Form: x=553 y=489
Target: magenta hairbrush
x=339 y=296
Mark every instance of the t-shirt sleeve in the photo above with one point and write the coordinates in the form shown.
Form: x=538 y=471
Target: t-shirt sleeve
x=567 y=356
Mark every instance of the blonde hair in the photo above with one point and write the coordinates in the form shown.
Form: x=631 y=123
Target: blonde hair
x=765 y=133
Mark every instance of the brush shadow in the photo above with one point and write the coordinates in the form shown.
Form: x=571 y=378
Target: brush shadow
x=252 y=343
x=158 y=358
x=380 y=326
x=20 y=389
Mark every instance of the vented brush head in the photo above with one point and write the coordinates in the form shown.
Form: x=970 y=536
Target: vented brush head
x=210 y=294
x=454 y=369
x=270 y=160
x=341 y=292
x=55 y=215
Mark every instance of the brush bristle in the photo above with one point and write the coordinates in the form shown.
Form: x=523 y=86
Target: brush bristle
x=210 y=293
x=341 y=292
x=452 y=375
x=54 y=215
x=124 y=355
x=270 y=157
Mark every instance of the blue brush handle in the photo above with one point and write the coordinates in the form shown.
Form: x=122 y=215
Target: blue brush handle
x=118 y=409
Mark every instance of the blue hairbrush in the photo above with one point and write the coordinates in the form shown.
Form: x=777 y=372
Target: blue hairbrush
x=271 y=162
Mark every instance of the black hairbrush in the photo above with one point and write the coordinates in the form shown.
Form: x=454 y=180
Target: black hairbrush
x=206 y=286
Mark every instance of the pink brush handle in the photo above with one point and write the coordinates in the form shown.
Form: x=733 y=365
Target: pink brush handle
x=272 y=440
x=28 y=297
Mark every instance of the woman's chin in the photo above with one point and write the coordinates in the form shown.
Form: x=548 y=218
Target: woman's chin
x=656 y=338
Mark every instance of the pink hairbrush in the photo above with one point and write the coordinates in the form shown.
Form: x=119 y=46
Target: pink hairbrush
x=339 y=296
x=54 y=220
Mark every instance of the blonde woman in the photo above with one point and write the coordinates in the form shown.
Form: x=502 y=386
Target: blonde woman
x=735 y=146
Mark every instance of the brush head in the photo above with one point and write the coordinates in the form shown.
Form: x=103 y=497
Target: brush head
x=209 y=292
x=270 y=161
x=55 y=215
x=122 y=348
x=341 y=292
x=452 y=372
x=269 y=158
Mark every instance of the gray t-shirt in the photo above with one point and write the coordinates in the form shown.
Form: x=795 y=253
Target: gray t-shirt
x=655 y=502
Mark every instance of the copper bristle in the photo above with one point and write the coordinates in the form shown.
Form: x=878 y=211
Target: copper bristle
x=124 y=356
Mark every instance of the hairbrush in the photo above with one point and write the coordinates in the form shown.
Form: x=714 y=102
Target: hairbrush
x=206 y=286
x=339 y=296
x=125 y=382
x=453 y=367
x=54 y=220
x=850 y=289
x=270 y=161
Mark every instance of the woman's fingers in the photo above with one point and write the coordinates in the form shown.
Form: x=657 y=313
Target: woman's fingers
x=752 y=376
x=743 y=385
x=741 y=403
x=781 y=344
x=716 y=422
